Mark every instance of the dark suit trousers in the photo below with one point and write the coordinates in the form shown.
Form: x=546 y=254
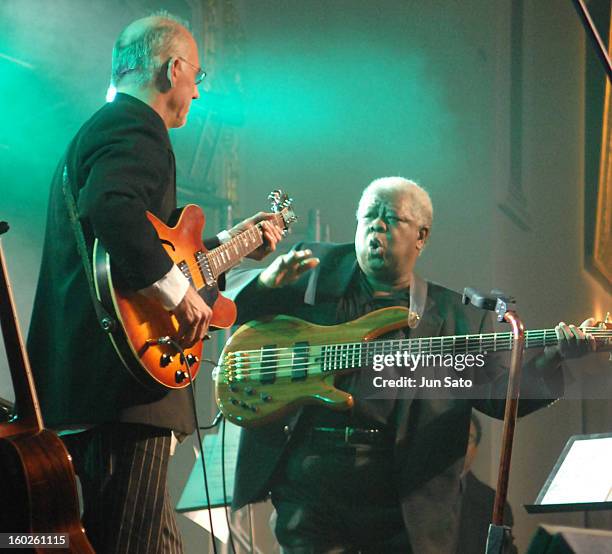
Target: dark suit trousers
x=337 y=499
x=122 y=468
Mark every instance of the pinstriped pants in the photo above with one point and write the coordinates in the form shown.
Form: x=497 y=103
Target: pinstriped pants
x=122 y=468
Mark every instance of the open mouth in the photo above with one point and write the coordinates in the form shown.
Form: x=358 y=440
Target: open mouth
x=375 y=246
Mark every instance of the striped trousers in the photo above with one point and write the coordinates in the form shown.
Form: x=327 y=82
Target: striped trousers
x=122 y=468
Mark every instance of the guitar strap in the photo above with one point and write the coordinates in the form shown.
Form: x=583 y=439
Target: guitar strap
x=418 y=296
x=418 y=300
x=106 y=321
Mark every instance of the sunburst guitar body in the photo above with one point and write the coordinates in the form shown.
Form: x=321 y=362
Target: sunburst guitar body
x=141 y=324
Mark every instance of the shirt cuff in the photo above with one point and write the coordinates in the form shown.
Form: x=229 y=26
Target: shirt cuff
x=224 y=236
x=169 y=290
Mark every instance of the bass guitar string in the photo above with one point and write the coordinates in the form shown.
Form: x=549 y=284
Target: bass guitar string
x=406 y=344
x=336 y=359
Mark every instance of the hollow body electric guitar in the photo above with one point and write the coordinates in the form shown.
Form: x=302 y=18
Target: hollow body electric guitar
x=299 y=361
x=143 y=325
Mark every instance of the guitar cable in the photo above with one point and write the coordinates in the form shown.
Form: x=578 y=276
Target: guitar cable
x=223 y=481
x=220 y=419
x=217 y=419
x=218 y=416
x=170 y=340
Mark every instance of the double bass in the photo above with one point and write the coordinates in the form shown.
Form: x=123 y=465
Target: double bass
x=37 y=482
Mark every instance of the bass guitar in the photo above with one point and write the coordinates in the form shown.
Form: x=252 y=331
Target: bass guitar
x=38 y=491
x=144 y=325
x=299 y=361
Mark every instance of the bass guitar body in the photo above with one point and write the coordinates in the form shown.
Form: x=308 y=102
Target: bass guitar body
x=39 y=492
x=143 y=320
x=255 y=384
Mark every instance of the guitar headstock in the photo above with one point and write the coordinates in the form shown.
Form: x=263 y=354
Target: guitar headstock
x=602 y=331
x=283 y=205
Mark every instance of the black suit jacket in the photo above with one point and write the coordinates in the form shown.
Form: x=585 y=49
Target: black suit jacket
x=430 y=435
x=121 y=164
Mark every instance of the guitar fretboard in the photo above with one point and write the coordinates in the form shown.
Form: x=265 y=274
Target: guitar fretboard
x=303 y=358
x=359 y=354
x=227 y=255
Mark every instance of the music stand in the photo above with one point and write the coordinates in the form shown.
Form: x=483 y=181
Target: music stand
x=193 y=496
x=581 y=479
x=192 y=502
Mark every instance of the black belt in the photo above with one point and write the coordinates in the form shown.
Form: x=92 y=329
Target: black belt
x=351 y=436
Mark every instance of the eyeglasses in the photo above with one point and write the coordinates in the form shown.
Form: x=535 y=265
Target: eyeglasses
x=200 y=73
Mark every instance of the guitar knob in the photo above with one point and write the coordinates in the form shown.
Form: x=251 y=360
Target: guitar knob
x=250 y=391
x=191 y=359
x=265 y=397
x=165 y=360
x=180 y=376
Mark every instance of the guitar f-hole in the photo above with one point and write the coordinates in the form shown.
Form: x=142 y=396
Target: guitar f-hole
x=168 y=243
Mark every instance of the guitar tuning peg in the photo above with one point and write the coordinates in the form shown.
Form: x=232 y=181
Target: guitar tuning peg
x=606 y=323
x=275 y=198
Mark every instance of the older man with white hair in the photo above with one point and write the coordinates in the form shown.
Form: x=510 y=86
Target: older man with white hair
x=383 y=476
x=119 y=166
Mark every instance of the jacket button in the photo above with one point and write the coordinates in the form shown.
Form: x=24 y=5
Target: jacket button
x=286 y=430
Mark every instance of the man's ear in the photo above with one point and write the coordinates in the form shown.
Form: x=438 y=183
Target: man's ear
x=169 y=72
x=423 y=236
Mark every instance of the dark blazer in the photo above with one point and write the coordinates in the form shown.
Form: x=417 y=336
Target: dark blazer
x=120 y=164
x=430 y=435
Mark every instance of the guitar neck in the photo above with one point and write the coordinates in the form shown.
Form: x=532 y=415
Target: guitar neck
x=339 y=357
x=228 y=255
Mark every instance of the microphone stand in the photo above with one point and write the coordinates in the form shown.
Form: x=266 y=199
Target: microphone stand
x=499 y=535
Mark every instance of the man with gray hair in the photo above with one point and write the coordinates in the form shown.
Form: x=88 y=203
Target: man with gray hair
x=383 y=476
x=121 y=165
